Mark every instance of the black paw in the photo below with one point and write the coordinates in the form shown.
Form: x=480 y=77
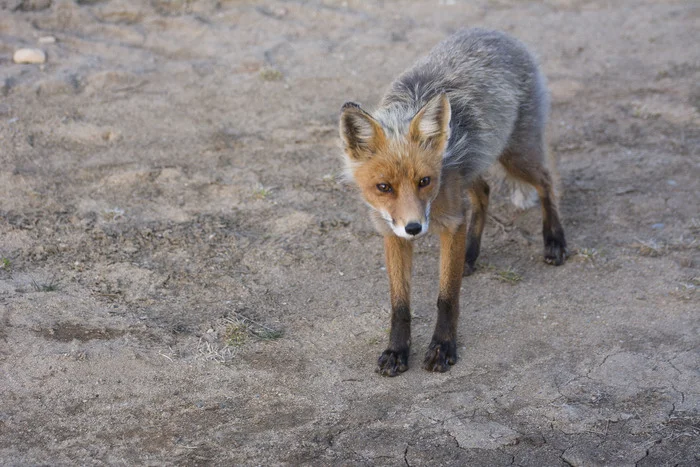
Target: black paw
x=440 y=355
x=469 y=268
x=392 y=362
x=555 y=251
x=473 y=247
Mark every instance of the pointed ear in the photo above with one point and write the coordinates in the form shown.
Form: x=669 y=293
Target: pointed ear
x=431 y=125
x=361 y=133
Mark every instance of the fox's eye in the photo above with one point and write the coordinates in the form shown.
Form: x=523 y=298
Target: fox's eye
x=425 y=181
x=384 y=188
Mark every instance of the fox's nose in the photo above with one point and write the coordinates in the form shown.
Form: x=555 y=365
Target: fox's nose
x=413 y=228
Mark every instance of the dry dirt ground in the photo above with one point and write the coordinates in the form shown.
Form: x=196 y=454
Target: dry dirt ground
x=170 y=174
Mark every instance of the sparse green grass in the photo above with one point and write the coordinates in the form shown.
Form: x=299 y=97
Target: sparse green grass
x=261 y=192
x=6 y=263
x=509 y=276
x=266 y=334
x=235 y=334
x=50 y=286
x=270 y=74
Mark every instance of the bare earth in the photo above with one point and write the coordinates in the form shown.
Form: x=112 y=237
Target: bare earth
x=171 y=170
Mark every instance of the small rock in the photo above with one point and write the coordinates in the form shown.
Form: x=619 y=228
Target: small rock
x=29 y=56
x=658 y=226
x=47 y=40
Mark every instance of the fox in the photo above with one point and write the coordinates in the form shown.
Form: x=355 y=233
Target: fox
x=477 y=100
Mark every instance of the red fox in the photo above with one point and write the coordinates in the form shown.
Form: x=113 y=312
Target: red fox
x=476 y=99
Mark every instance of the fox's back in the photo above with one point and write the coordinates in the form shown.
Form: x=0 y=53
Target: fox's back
x=491 y=80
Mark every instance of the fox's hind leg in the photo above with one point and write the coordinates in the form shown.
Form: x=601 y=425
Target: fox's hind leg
x=530 y=166
x=479 y=197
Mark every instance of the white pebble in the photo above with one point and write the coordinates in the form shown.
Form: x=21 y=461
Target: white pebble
x=47 y=40
x=29 y=56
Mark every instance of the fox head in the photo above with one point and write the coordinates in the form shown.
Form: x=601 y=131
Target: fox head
x=398 y=169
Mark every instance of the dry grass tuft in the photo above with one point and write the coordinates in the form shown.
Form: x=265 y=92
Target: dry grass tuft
x=50 y=286
x=213 y=352
x=586 y=254
x=650 y=248
x=112 y=214
x=271 y=74
x=239 y=327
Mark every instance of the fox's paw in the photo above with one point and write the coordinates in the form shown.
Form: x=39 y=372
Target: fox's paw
x=440 y=355
x=473 y=247
x=469 y=269
x=555 y=251
x=392 y=362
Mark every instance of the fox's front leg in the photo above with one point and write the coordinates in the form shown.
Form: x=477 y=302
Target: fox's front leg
x=443 y=348
x=399 y=253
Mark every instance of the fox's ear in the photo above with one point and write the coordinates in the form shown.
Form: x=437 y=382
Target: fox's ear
x=431 y=125
x=361 y=133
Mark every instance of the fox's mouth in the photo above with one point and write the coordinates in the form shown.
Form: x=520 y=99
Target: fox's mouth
x=410 y=234
x=412 y=229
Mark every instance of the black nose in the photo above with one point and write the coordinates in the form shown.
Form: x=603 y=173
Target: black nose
x=413 y=228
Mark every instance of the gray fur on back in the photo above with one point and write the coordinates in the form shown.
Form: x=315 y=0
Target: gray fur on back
x=497 y=94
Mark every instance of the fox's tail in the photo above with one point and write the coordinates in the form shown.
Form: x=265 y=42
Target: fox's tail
x=522 y=195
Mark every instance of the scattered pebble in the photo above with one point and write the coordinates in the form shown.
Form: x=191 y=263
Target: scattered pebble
x=658 y=226
x=29 y=56
x=625 y=190
x=47 y=40
x=672 y=182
